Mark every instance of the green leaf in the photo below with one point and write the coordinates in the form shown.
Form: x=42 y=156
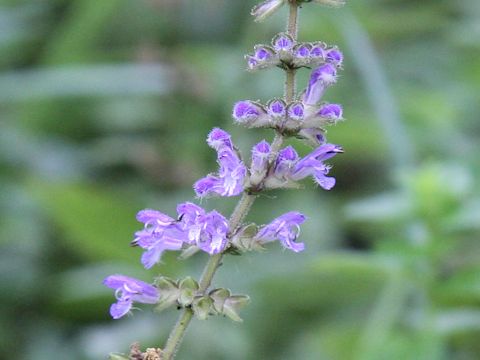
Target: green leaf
x=95 y=222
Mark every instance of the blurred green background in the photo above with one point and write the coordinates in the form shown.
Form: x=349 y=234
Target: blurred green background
x=104 y=108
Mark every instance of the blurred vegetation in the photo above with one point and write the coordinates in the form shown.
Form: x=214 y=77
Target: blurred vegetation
x=105 y=106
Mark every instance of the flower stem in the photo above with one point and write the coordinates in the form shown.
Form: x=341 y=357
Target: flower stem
x=241 y=210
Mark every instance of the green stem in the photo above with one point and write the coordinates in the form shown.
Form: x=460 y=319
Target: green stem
x=211 y=267
x=242 y=209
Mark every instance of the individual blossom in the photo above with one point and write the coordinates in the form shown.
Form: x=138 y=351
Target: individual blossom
x=285 y=228
x=259 y=165
x=289 y=168
x=263 y=57
x=301 y=54
x=319 y=117
x=250 y=113
x=302 y=51
x=212 y=234
x=318 y=51
x=295 y=115
x=276 y=108
x=320 y=79
x=127 y=291
x=283 y=42
x=312 y=165
x=206 y=230
x=160 y=233
x=266 y=8
x=334 y=56
x=286 y=159
x=331 y=111
x=230 y=178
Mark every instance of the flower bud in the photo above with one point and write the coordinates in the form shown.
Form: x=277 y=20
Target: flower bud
x=331 y=111
x=320 y=117
x=301 y=54
x=201 y=307
x=188 y=288
x=258 y=167
x=282 y=42
x=169 y=293
x=295 y=115
x=285 y=161
x=250 y=113
x=334 y=56
x=219 y=296
x=318 y=50
x=276 y=108
x=321 y=78
x=244 y=238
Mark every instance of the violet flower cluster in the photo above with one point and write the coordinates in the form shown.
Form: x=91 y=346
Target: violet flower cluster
x=194 y=228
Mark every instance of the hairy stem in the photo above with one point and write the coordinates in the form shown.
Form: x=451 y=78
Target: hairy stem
x=241 y=210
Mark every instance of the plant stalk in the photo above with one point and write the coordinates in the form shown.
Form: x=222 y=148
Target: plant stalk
x=241 y=210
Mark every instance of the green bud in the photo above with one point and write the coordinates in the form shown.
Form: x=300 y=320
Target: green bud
x=169 y=293
x=219 y=296
x=188 y=289
x=233 y=305
x=201 y=307
x=244 y=238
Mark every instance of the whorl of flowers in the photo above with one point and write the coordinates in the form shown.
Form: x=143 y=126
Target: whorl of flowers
x=194 y=228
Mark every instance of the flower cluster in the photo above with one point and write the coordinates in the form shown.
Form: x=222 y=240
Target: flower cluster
x=305 y=117
x=285 y=52
x=194 y=227
x=271 y=167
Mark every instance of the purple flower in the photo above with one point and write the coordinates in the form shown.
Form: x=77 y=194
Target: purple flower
x=287 y=157
x=258 y=167
x=296 y=111
x=320 y=79
x=159 y=234
x=285 y=228
x=219 y=139
x=312 y=165
x=302 y=51
x=266 y=8
x=318 y=51
x=252 y=62
x=276 y=108
x=334 y=56
x=127 y=291
x=331 y=111
x=282 y=42
x=208 y=231
x=232 y=172
x=250 y=113
x=211 y=235
x=262 y=54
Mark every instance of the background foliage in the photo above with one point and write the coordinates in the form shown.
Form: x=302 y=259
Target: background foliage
x=105 y=106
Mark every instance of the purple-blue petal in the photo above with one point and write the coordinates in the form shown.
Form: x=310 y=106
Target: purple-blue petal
x=332 y=111
x=320 y=79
